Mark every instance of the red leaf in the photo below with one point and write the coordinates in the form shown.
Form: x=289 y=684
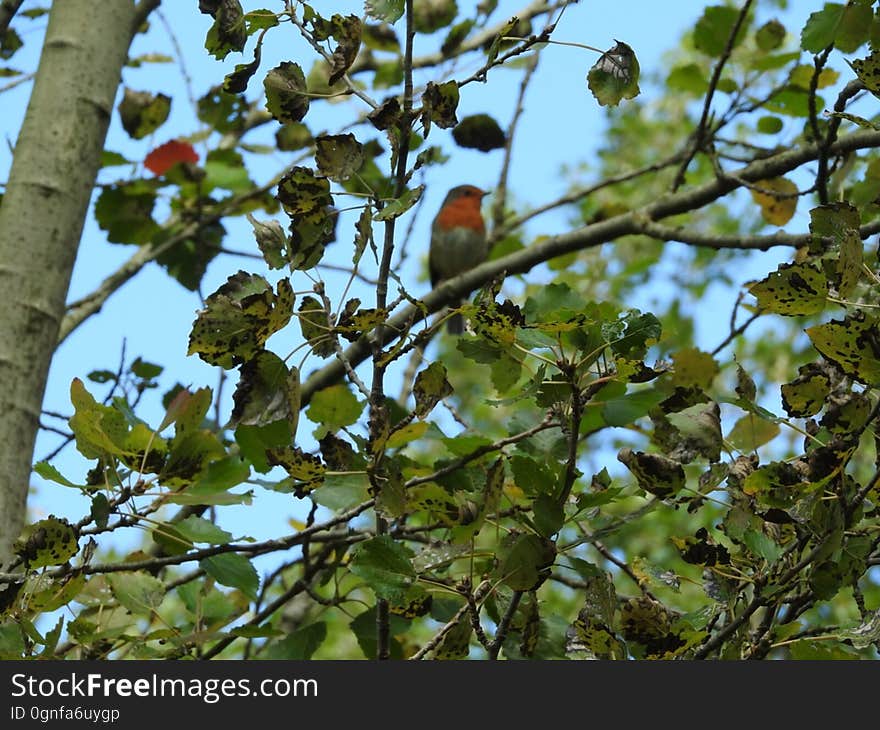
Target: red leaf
x=161 y=159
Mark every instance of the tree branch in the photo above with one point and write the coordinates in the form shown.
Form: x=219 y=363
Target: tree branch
x=589 y=236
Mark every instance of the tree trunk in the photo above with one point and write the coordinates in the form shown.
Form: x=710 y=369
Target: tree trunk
x=56 y=161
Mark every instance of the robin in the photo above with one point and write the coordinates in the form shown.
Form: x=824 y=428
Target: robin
x=458 y=240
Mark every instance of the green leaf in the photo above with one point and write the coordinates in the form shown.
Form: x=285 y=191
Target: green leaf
x=713 y=29
x=299 y=645
x=792 y=290
x=364 y=628
x=479 y=132
x=388 y=10
x=226 y=169
x=257 y=20
x=548 y=514
x=851 y=343
x=49 y=472
x=811 y=650
x=142 y=113
x=762 y=545
x=623 y=410
x=845 y=26
x=524 y=561
x=125 y=212
x=770 y=35
x=343 y=491
x=750 y=432
x=689 y=77
x=233 y=570
x=113 y=159
x=100 y=510
x=338 y=156
x=769 y=125
x=456 y=36
x=398 y=206
x=271 y=240
x=430 y=387
x=384 y=565
x=199 y=530
x=99 y=430
x=140 y=592
x=615 y=76
x=286 y=93
x=334 y=408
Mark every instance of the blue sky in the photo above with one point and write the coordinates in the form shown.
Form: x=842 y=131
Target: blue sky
x=562 y=125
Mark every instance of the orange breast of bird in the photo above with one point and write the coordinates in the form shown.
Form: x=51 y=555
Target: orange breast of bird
x=458 y=239
x=463 y=212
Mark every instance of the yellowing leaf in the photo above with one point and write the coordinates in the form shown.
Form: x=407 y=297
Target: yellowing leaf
x=777 y=198
x=852 y=343
x=792 y=290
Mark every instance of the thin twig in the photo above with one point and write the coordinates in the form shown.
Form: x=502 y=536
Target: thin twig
x=699 y=136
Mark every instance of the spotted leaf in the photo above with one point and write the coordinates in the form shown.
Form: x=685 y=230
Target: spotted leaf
x=853 y=344
x=792 y=290
x=238 y=319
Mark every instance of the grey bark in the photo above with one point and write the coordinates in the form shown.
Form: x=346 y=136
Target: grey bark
x=56 y=161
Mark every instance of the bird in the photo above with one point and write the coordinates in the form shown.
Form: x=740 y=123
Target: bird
x=458 y=240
